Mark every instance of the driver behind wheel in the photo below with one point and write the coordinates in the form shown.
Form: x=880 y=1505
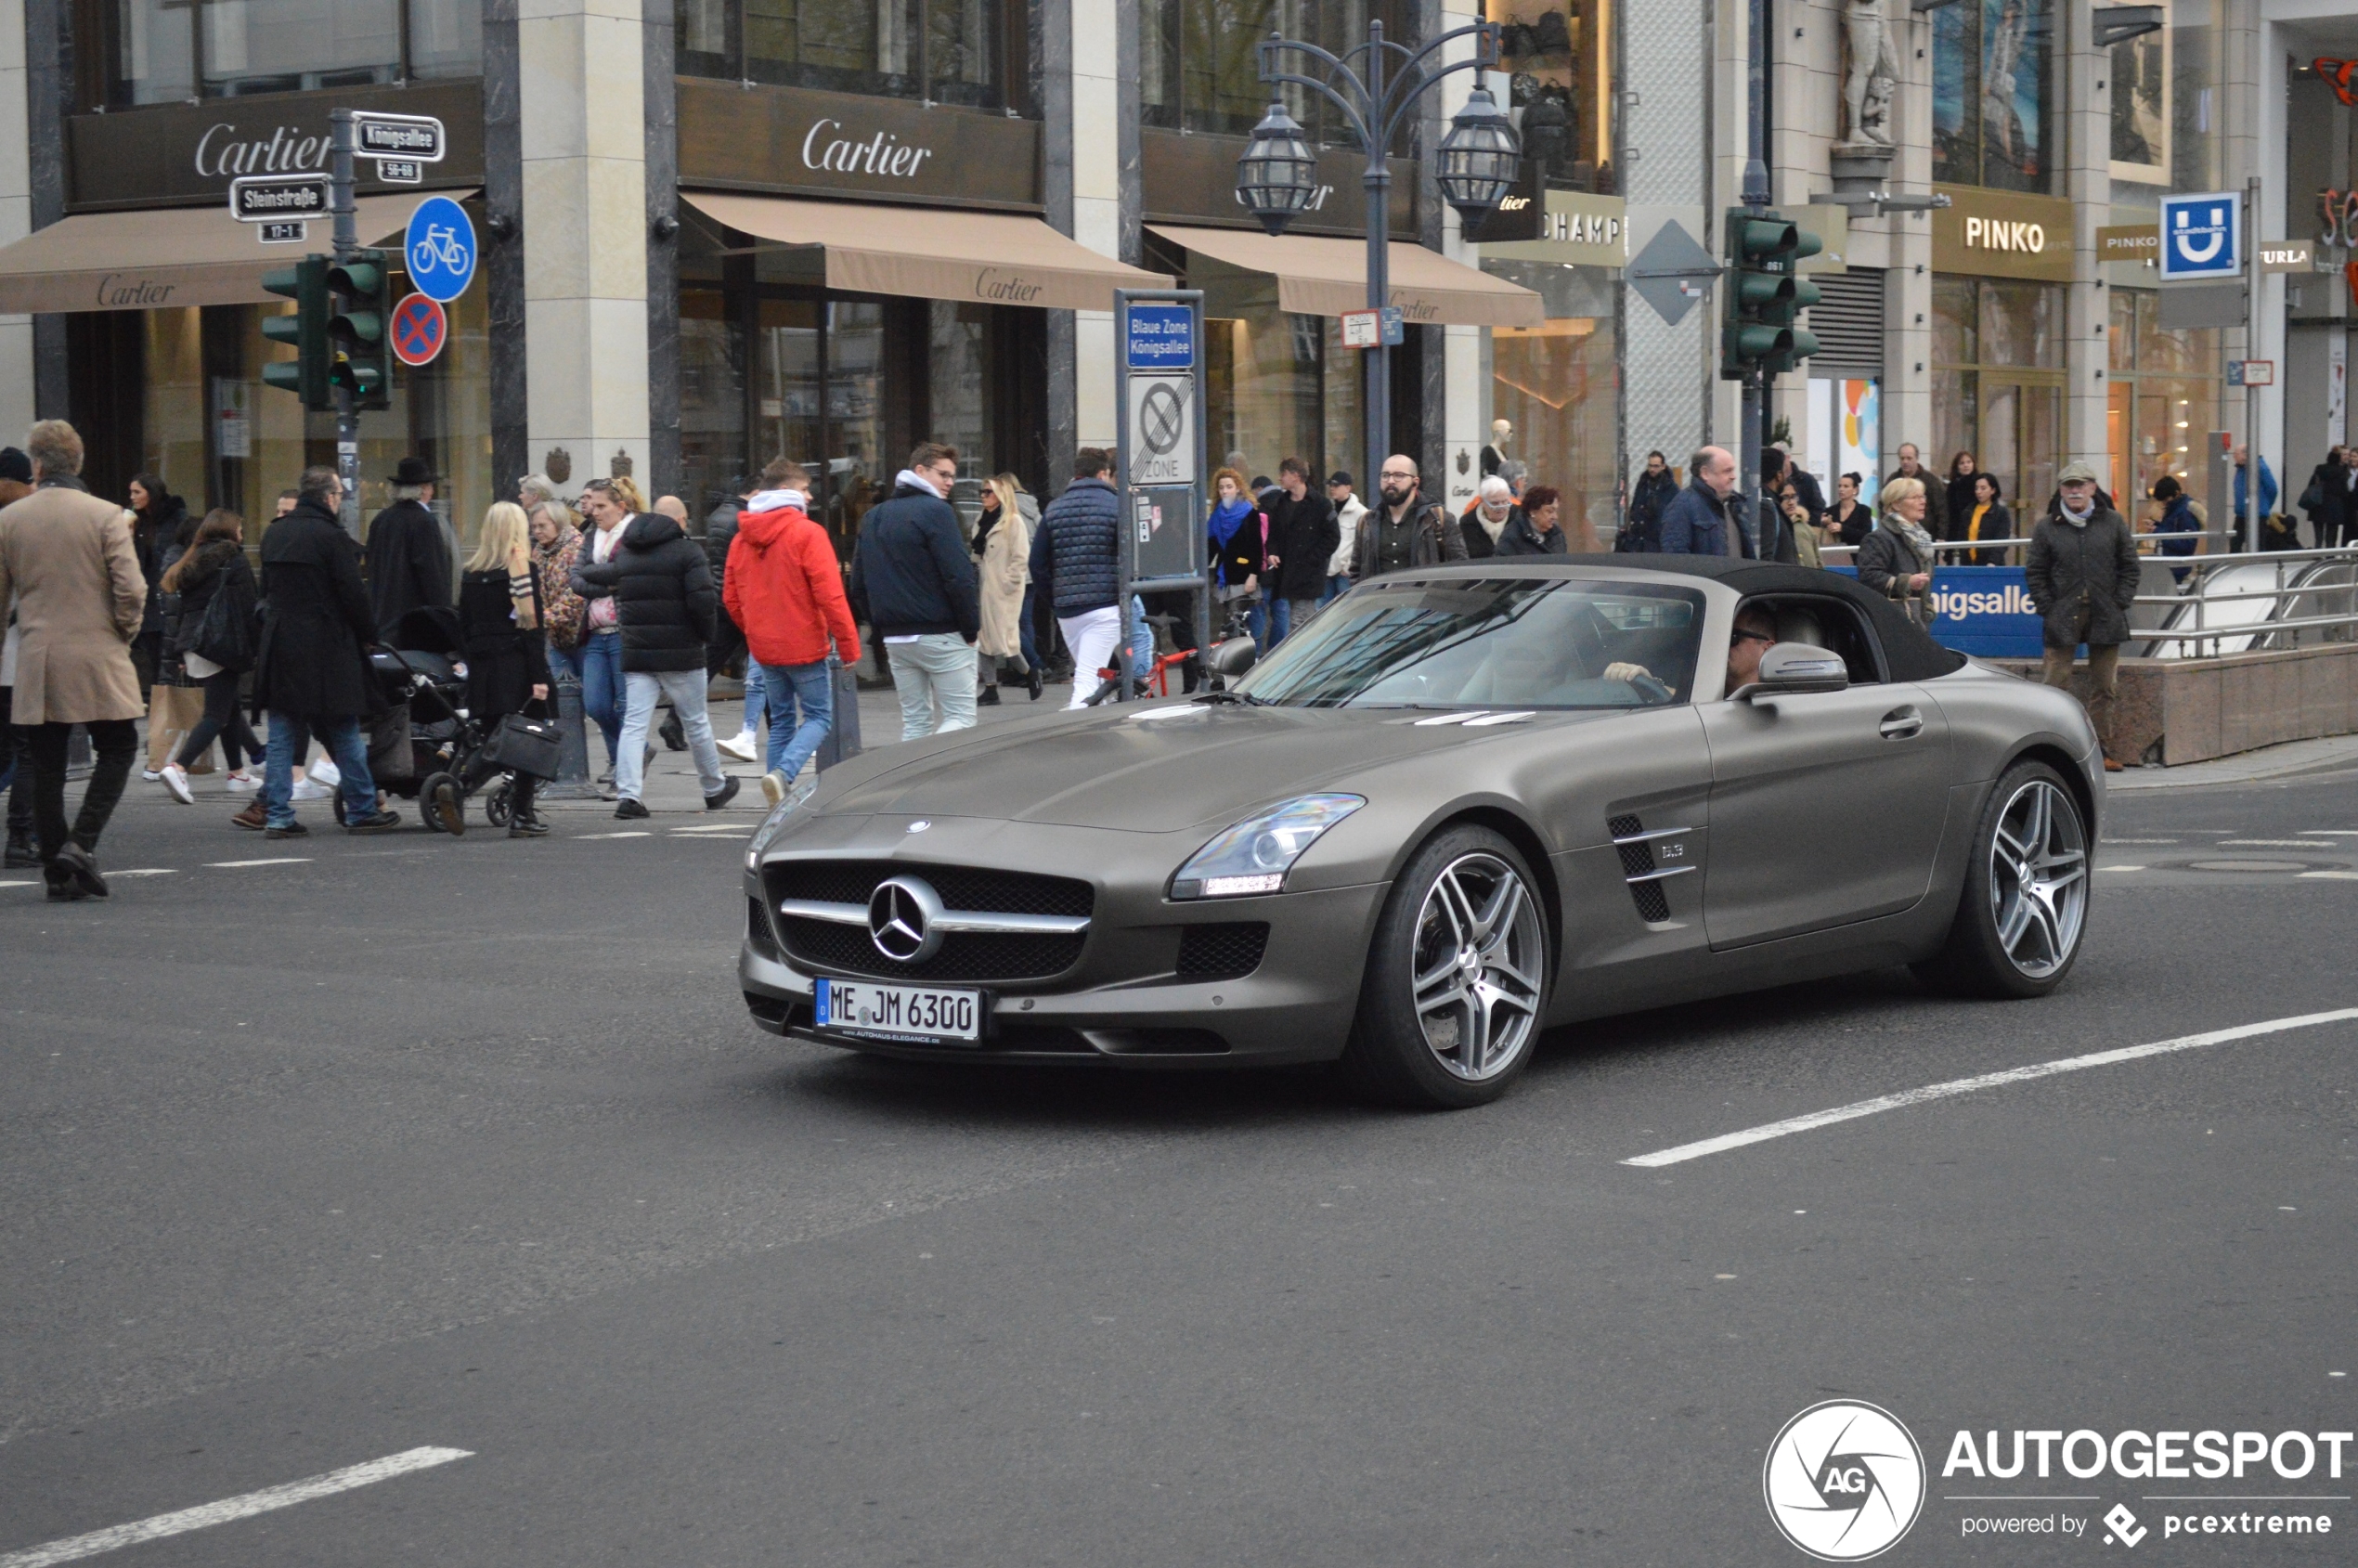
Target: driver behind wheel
x=1754 y=634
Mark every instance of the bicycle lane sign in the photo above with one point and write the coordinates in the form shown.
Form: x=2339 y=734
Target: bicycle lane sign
x=439 y=249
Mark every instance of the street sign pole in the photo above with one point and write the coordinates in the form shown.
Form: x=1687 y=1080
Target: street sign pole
x=1159 y=469
x=2251 y=351
x=347 y=240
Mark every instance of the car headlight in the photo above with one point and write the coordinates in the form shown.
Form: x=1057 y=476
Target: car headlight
x=766 y=833
x=1253 y=857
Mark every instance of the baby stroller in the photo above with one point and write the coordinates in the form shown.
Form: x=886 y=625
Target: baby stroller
x=426 y=740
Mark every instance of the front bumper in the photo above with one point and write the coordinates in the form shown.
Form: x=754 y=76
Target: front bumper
x=1123 y=1003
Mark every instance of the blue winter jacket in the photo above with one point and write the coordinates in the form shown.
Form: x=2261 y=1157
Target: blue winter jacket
x=1077 y=549
x=911 y=573
x=1695 y=522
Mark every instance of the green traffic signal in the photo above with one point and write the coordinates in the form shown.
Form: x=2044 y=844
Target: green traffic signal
x=362 y=360
x=1765 y=295
x=307 y=374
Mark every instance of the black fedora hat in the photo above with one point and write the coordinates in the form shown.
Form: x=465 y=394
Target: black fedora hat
x=414 y=471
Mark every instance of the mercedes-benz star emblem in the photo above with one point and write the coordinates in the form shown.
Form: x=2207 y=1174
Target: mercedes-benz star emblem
x=904 y=919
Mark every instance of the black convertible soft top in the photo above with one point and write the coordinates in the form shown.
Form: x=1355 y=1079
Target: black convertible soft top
x=1913 y=654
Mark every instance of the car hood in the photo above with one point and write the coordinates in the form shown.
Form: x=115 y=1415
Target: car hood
x=1124 y=771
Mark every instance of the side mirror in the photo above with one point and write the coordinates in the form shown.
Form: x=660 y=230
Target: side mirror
x=1791 y=667
x=1233 y=659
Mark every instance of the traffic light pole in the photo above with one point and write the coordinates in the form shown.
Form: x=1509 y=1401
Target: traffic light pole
x=1756 y=199
x=347 y=240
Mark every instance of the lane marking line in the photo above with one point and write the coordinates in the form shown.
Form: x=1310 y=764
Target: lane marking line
x=1967 y=1085
x=34 y=883
x=148 y=871
x=2270 y=844
x=2331 y=876
x=243 y=1507
x=630 y=833
x=231 y=865
x=2121 y=868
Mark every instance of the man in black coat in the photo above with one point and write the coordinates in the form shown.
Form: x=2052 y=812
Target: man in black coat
x=666 y=607
x=1077 y=552
x=2082 y=575
x=1304 y=536
x=311 y=671
x=1656 y=487
x=408 y=557
x=912 y=580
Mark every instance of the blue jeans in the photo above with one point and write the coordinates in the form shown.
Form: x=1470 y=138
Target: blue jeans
x=601 y=688
x=757 y=698
x=811 y=688
x=342 y=738
x=564 y=662
x=1023 y=628
x=1336 y=587
x=1270 y=620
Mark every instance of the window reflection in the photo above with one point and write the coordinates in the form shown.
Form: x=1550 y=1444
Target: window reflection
x=1993 y=95
x=942 y=51
x=168 y=51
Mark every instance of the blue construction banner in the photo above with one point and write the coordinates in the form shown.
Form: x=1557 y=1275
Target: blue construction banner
x=1981 y=610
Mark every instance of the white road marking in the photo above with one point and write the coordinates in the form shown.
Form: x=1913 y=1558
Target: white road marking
x=34 y=883
x=228 y=1509
x=231 y=865
x=2330 y=875
x=148 y=871
x=627 y=832
x=1967 y=1085
x=2270 y=844
x=2121 y=868
x=2137 y=841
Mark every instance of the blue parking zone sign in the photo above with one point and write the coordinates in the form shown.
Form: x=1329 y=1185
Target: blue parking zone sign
x=2202 y=236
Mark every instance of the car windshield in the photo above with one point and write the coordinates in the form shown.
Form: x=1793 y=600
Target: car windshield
x=1491 y=642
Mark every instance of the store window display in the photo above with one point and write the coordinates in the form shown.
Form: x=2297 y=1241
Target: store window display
x=1998 y=378
x=2163 y=389
x=1556 y=385
x=1994 y=95
x=1557 y=58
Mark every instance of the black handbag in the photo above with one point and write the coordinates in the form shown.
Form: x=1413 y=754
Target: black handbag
x=226 y=634
x=519 y=744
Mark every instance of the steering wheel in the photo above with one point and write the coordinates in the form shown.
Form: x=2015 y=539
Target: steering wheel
x=1588 y=641
x=1650 y=688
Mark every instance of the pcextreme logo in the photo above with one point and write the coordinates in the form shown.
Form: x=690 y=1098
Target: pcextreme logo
x=1843 y=1480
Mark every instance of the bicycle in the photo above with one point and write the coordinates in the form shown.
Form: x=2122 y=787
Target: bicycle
x=439 y=250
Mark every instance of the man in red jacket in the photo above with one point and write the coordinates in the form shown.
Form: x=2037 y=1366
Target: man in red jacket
x=784 y=587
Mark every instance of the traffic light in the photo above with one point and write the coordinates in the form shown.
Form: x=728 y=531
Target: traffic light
x=307 y=374
x=361 y=358
x=1764 y=293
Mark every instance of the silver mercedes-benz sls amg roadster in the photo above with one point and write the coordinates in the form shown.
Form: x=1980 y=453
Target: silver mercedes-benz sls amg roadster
x=1459 y=806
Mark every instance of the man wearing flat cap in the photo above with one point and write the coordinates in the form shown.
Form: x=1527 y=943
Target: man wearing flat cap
x=2083 y=576
x=409 y=554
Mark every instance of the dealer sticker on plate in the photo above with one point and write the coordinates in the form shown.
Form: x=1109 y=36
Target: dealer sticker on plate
x=918 y=1015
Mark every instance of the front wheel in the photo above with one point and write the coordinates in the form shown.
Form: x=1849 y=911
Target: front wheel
x=2025 y=905
x=1457 y=981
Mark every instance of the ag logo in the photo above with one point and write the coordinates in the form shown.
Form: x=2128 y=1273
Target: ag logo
x=1843 y=1480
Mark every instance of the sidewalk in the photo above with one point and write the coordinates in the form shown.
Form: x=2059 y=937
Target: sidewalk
x=673 y=786
x=2292 y=759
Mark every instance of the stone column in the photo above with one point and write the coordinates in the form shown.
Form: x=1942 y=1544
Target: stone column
x=15 y=218
x=1907 y=306
x=2087 y=117
x=513 y=453
x=662 y=231
x=585 y=206
x=1456 y=424
x=1669 y=125
x=1105 y=204
x=48 y=72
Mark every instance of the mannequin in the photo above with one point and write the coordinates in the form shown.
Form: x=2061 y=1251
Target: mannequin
x=1501 y=431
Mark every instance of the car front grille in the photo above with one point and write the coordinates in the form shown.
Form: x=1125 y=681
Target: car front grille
x=831 y=947
x=1226 y=952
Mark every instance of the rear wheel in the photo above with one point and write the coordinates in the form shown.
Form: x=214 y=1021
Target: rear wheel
x=2025 y=906
x=1457 y=980
x=443 y=804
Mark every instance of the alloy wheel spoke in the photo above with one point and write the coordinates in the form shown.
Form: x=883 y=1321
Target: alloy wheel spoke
x=2015 y=920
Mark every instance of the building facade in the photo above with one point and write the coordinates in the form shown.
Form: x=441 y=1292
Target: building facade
x=726 y=230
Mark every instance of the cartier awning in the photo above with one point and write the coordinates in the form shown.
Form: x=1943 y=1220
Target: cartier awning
x=167 y=257
x=935 y=253
x=1319 y=277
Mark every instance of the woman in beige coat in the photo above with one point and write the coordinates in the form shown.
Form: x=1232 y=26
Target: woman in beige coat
x=1003 y=548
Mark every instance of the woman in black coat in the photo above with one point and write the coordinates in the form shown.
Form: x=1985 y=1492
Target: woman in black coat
x=1983 y=517
x=1963 y=471
x=159 y=531
x=499 y=616
x=214 y=568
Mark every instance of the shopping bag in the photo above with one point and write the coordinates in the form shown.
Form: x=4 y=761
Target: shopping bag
x=173 y=711
x=842 y=728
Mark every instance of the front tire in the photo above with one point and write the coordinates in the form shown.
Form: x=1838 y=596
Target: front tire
x=1457 y=980
x=2023 y=909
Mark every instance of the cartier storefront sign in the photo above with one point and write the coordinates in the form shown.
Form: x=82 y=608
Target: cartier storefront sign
x=1192 y=179
x=799 y=141
x=184 y=154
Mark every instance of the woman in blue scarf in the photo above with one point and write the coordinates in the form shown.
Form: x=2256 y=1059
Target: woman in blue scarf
x=1240 y=546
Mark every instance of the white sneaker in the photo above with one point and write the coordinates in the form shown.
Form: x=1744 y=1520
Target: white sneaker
x=773 y=787
x=312 y=789
x=175 y=779
x=243 y=782
x=740 y=747
x=325 y=774
x=150 y=774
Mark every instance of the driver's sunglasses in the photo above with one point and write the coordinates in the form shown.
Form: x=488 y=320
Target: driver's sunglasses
x=1742 y=636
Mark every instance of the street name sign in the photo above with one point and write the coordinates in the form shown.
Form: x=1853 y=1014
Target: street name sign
x=274 y=197
x=416 y=138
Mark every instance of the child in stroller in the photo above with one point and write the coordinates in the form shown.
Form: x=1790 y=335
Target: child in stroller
x=425 y=748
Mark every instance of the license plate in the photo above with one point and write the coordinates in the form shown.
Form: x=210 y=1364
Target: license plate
x=915 y=1015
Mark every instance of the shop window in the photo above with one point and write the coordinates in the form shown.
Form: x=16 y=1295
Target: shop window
x=1199 y=66
x=1277 y=385
x=1556 y=385
x=2163 y=398
x=1559 y=78
x=2167 y=90
x=1998 y=381
x=942 y=51
x=1993 y=94
x=159 y=51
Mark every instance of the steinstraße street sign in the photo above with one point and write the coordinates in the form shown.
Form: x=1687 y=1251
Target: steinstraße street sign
x=439 y=249
x=420 y=329
x=1162 y=437
x=276 y=198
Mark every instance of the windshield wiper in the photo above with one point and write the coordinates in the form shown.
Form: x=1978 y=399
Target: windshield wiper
x=1246 y=697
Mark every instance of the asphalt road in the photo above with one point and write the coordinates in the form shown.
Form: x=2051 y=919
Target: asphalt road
x=415 y=1143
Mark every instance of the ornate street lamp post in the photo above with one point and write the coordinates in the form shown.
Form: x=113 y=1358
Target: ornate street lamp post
x=1476 y=163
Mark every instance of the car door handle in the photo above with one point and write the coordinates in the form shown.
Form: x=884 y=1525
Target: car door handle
x=1902 y=723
